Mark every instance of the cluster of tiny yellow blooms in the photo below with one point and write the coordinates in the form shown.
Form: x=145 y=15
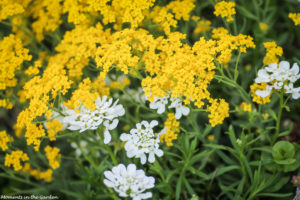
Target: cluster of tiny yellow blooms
x=295 y=17
x=226 y=43
x=14 y=159
x=246 y=107
x=272 y=52
x=258 y=99
x=78 y=46
x=53 y=156
x=203 y=26
x=86 y=94
x=218 y=111
x=4 y=140
x=5 y=103
x=172 y=129
x=118 y=11
x=47 y=16
x=38 y=174
x=9 y=8
x=120 y=84
x=53 y=127
x=265 y=115
x=225 y=10
x=263 y=26
x=162 y=16
x=12 y=55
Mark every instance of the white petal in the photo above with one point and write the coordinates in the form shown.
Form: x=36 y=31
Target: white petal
x=108 y=183
x=185 y=110
x=295 y=69
x=131 y=168
x=263 y=93
x=284 y=65
x=143 y=159
x=124 y=137
x=153 y=123
x=159 y=152
x=107 y=137
x=151 y=158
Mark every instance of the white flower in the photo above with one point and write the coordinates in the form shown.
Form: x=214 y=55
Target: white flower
x=159 y=103
x=106 y=113
x=279 y=76
x=180 y=109
x=129 y=181
x=142 y=141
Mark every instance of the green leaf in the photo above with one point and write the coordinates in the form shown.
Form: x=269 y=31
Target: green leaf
x=247 y=13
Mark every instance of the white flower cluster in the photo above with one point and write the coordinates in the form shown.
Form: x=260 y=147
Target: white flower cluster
x=141 y=141
x=129 y=181
x=106 y=113
x=160 y=103
x=278 y=77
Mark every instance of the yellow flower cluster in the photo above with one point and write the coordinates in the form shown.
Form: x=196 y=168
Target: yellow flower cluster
x=117 y=11
x=120 y=84
x=38 y=174
x=218 y=110
x=258 y=99
x=4 y=140
x=246 y=107
x=163 y=16
x=12 y=55
x=225 y=10
x=5 y=103
x=9 y=8
x=295 y=17
x=203 y=26
x=272 y=51
x=53 y=156
x=226 y=43
x=78 y=46
x=172 y=129
x=84 y=95
x=47 y=16
x=54 y=127
x=14 y=159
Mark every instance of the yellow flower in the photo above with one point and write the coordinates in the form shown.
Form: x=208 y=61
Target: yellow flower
x=258 y=99
x=53 y=156
x=9 y=8
x=219 y=110
x=225 y=10
x=295 y=17
x=4 y=140
x=263 y=26
x=172 y=129
x=211 y=137
x=14 y=159
x=53 y=127
x=202 y=27
x=272 y=51
x=245 y=107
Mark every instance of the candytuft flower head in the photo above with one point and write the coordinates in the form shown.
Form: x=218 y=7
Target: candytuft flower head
x=278 y=77
x=129 y=181
x=141 y=141
x=82 y=118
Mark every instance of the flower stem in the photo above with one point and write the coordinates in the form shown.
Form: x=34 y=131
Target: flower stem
x=281 y=105
x=236 y=73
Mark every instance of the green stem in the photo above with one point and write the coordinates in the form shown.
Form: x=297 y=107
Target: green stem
x=281 y=104
x=108 y=149
x=236 y=73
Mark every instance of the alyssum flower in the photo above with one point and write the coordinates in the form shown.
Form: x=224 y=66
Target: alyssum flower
x=141 y=141
x=129 y=181
x=278 y=77
x=83 y=118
